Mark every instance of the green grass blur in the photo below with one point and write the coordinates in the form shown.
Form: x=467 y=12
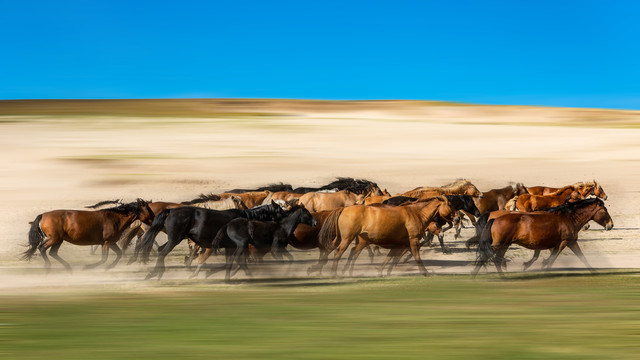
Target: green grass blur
x=444 y=317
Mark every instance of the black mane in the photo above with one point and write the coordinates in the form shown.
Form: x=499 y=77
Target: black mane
x=202 y=199
x=125 y=209
x=569 y=207
x=358 y=186
x=270 y=187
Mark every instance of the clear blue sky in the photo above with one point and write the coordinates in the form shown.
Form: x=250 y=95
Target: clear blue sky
x=559 y=53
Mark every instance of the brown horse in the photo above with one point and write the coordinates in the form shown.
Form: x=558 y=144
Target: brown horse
x=282 y=195
x=318 y=201
x=528 y=202
x=101 y=227
x=553 y=230
x=458 y=187
x=495 y=199
x=394 y=228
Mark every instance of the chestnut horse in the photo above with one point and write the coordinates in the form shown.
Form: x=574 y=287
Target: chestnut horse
x=528 y=202
x=101 y=227
x=553 y=230
x=394 y=228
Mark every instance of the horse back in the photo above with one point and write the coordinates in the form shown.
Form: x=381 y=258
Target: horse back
x=381 y=224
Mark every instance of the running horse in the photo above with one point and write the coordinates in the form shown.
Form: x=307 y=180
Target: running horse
x=197 y=224
x=458 y=187
x=584 y=188
x=101 y=227
x=553 y=230
x=528 y=202
x=394 y=228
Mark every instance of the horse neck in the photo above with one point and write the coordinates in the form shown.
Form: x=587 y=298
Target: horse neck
x=582 y=216
x=289 y=223
x=428 y=211
x=122 y=220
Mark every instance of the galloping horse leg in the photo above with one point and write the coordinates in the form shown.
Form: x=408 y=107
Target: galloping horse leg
x=499 y=259
x=395 y=261
x=393 y=253
x=105 y=255
x=322 y=261
x=202 y=257
x=554 y=254
x=344 y=244
x=576 y=250
x=355 y=252
x=234 y=257
x=118 y=252
x=43 y=253
x=54 y=254
x=536 y=254
x=457 y=223
x=415 y=249
x=441 y=240
x=94 y=248
x=166 y=249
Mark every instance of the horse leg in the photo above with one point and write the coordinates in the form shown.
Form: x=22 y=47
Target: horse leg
x=527 y=264
x=554 y=254
x=389 y=256
x=441 y=240
x=54 y=254
x=576 y=250
x=116 y=249
x=344 y=244
x=105 y=255
x=231 y=257
x=94 y=248
x=201 y=259
x=166 y=249
x=322 y=260
x=395 y=261
x=415 y=249
x=355 y=252
x=498 y=260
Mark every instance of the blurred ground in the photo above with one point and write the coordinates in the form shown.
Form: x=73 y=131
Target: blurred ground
x=68 y=154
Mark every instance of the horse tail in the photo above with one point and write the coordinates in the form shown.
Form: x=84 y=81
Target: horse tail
x=330 y=230
x=485 y=250
x=480 y=224
x=36 y=237
x=146 y=244
x=220 y=236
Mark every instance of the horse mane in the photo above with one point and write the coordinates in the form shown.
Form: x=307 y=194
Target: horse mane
x=358 y=186
x=456 y=185
x=261 y=212
x=105 y=202
x=570 y=207
x=202 y=199
x=270 y=187
x=125 y=209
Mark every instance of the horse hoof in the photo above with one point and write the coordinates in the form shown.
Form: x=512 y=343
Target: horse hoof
x=149 y=276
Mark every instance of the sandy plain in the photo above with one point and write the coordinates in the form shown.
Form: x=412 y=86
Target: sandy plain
x=68 y=154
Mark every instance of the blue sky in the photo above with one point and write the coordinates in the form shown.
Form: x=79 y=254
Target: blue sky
x=558 y=53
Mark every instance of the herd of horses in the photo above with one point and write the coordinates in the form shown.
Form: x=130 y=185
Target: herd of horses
x=347 y=213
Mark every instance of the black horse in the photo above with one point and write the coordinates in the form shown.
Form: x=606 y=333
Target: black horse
x=197 y=224
x=271 y=187
x=263 y=236
x=358 y=186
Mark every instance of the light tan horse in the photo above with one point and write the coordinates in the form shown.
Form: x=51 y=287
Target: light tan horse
x=395 y=228
x=281 y=195
x=318 y=201
x=458 y=187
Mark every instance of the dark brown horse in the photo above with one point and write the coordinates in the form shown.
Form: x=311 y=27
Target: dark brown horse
x=394 y=228
x=528 y=202
x=101 y=227
x=553 y=230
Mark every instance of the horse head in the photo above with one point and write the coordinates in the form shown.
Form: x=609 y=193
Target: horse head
x=305 y=216
x=521 y=189
x=601 y=215
x=473 y=191
x=599 y=191
x=145 y=214
x=238 y=203
x=445 y=210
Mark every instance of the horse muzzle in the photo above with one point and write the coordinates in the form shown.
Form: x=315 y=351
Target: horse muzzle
x=314 y=223
x=609 y=226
